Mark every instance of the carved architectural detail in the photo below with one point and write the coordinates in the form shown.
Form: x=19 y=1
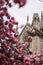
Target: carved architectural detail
x=36 y=21
x=34 y=31
x=41 y=26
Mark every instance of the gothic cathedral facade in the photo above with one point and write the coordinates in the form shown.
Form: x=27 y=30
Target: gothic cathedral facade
x=36 y=31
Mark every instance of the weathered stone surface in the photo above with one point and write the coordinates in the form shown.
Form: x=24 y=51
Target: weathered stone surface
x=34 y=31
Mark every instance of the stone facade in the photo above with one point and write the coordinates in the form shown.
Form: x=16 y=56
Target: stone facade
x=36 y=31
